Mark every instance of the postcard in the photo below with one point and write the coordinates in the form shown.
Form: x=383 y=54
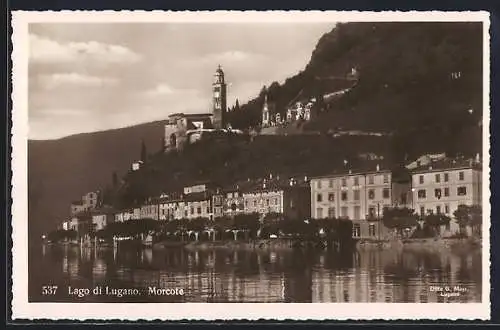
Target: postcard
x=235 y=165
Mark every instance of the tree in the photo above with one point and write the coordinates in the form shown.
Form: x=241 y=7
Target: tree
x=144 y=153
x=197 y=224
x=435 y=221
x=470 y=216
x=399 y=219
x=248 y=222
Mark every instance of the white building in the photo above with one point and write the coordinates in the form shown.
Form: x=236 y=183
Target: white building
x=360 y=196
x=441 y=186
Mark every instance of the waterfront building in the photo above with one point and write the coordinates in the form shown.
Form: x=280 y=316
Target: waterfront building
x=128 y=214
x=441 y=186
x=233 y=201
x=218 y=203
x=150 y=210
x=361 y=196
x=101 y=218
x=291 y=199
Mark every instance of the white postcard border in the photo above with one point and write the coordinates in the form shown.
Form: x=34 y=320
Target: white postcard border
x=22 y=309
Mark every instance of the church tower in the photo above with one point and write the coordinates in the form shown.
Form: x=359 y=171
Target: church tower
x=265 y=113
x=219 y=99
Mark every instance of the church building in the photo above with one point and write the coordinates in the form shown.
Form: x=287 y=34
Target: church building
x=188 y=128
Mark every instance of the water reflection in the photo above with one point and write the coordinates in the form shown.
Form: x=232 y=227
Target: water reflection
x=248 y=276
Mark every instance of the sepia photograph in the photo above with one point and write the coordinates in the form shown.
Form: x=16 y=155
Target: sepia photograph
x=232 y=157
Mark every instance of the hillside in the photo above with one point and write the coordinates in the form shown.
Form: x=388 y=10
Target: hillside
x=60 y=171
x=407 y=86
x=406 y=82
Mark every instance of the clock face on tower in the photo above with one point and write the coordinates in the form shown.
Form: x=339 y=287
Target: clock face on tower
x=216 y=94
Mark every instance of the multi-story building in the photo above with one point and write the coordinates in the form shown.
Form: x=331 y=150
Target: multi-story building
x=361 y=196
x=76 y=207
x=101 y=218
x=150 y=210
x=196 y=202
x=233 y=202
x=88 y=201
x=292 y=199
x=441 y=186
x=218 y=201
x=128 y=214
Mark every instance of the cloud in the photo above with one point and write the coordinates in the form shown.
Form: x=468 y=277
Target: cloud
x=46 y=50
x=165 y=89
x=50 y=81
x=226 y=57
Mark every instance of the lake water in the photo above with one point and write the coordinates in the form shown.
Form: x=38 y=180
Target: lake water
x=249 y=276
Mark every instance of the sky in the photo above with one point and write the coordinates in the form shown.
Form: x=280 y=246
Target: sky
x=86 y=77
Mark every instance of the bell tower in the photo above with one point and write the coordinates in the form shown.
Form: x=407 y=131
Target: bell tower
x=219 y=99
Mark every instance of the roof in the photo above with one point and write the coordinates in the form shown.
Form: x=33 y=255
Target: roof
x=448 y=164
x=103 y=210
x=77 y=203
x=368 y=168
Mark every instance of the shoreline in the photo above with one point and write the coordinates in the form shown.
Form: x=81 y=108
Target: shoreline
x=429 y=244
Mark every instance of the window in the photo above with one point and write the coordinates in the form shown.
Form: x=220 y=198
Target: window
x=344 y=211
x=421 y=193
x=447 y=208
x=331 y=212
x=371 y=194
x=386 y=178
x=331 y=197
x=319 y=213
x=446 y=192
x=357 y=212
x=422 y=210
x=461 y=191
x=370 y=179
x=276 y=201
x=356 y=181
x=372 y=212
x=437 y=193
x=344 y=195
x=371 y=229
x=267 y=201
x=344 y=182
x=198 y=210
x=330 y=183
x=386 y=193
x=438 y=178
x=461 y=176
x=254 y=203
x=208 y=209
x=421 y=179
x=192 y=210
x=356 y=195
x=438 y=209
x=319 y=184
x=186 y=213
x=356 y=230
x=319 y=197
x=446 y=177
